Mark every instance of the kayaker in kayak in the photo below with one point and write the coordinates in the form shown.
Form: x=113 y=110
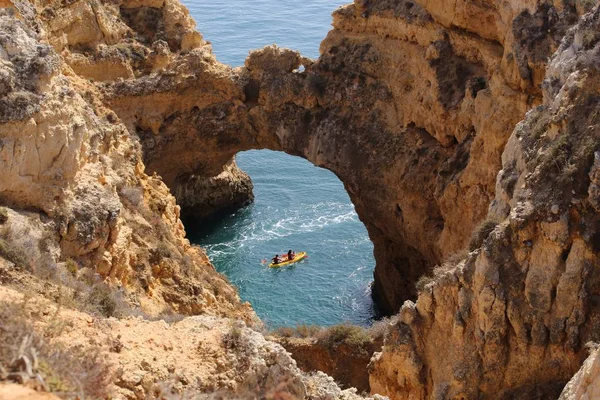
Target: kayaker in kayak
x=276 y=259
x=291 y=255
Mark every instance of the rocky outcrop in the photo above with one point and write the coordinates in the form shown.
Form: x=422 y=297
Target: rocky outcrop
x=411 y=104
x=586 y=382
x=69 y=163
x=128 y=40
x=511 y=320
x=189 y=357
x=201 y=197
x=344 y=362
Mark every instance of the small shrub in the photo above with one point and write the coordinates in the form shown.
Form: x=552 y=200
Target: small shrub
x=134 y=195
x=233 y=338
x=440 y=270
x=46 y=244
x=379 y=328
x=22 y=249
x=589 y=39
x=457 y=257
x=188 y=268
x=106 y=301
x=300 y=331
x=351 y=335
x=14 y=254
x=482 y=232
x=284 y=331
x=423 y=281
x=559 y=153
x=305 y=331
x=161 y=251
x=71 y=266
x=3 y=215
x=67 y=297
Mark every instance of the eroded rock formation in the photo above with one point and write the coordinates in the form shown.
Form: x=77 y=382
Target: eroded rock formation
x=586 y=383
x=201 y=197
x=346 y=363
x=68 y=163
x=408 y=106
x=511 y=320
x=196 y=357
x=77 y=208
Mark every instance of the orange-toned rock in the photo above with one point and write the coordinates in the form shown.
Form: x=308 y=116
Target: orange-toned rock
x=69 y=160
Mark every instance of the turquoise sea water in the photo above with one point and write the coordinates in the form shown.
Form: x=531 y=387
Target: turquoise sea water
x=297 y=205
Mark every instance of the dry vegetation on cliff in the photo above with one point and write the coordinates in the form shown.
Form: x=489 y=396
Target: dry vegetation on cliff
x=533 y=269
x=28 y=357
x=342 y=351
x=353 y=336
x=75 y=354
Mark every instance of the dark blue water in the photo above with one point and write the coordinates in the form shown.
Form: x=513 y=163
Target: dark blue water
x=298 y=206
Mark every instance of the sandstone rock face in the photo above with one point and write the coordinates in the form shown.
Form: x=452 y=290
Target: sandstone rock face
x=201 y=197
x=411 y=104
x=68 y=158
x=511 y=320
x=111 y=42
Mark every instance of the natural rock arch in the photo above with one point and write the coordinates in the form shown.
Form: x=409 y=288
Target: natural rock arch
x=411 y=114
x=270 y=105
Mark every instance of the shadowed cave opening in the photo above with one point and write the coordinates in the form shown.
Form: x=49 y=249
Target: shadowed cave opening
x=305 y=208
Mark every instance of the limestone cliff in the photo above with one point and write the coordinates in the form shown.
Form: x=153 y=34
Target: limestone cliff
x=200 y=357
x=68 y=162
x=346 y=363
x=201 y=197
x=511 y=320
x=128 y=40
x=77 y=210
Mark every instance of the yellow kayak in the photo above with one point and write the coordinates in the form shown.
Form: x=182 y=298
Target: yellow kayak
x=299 y=256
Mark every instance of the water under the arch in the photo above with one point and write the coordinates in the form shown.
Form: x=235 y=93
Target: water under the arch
x=298 y=205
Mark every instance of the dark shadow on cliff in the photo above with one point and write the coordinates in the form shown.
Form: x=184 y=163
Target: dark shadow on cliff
x=199 y=228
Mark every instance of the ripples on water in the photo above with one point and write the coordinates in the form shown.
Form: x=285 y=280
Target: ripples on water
x=236 y=26
x=297 y=205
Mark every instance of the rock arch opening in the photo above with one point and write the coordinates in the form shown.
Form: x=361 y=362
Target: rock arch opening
x=299 y=206
x=191 y=128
